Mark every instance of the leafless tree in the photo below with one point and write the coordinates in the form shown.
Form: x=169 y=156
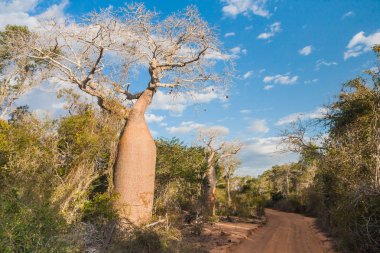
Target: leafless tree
x=100 y=55
x=18 y=73
x=229 y=164
x=217 y=149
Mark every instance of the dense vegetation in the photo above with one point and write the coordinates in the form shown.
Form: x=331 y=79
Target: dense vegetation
x=337 y=179
x=56 y=177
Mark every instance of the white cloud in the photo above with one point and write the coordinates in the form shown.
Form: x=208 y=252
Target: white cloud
x=268 y=87
x=322 y=62
x=211 y=54
x=55 y=12
x=248 y=74
x=185 y=127
x=245 y=111
x=152 y=118
x=42 y=101
x=232 y=8
x=177 y=103
x=163 y=101
x=219 y=129
x=263 y=146
x=271 y=31
x=216 y=55
x=250 y=27
x=235 y=50
x=311 y=81
x=360 y=44
x=18 y=5
x=348 y=14
x=189 y=126
x=280 y=79
x=259 y=154
x=259 y=126
x=19 y=12
x=306 y=50
x=231 y=34
x=316 y=114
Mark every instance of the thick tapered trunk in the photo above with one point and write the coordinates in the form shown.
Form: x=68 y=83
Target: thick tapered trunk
x=209 y=189
x=135 y=165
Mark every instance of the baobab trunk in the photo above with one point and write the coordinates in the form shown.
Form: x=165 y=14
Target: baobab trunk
x=210 y=188
x=135 y=165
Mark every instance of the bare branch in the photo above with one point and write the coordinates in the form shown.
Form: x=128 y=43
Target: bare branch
x=166 y=66
x=92 y=71
x=99 y=53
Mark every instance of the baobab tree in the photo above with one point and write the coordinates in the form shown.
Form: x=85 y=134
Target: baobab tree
x=229 y=166
x=100 y=55
x=216 y=150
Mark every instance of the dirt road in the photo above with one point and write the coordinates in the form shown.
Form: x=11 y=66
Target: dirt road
x=285 y=233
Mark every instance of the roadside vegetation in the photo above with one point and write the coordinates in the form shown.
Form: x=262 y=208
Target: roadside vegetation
x=56 y=177
x=337 y=177
x=64 y=181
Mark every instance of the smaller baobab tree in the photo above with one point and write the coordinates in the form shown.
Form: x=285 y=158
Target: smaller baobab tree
x=216 y=150
x=100 y=54
x=230 y=164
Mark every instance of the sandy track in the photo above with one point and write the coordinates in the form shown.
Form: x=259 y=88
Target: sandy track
x=285 y=233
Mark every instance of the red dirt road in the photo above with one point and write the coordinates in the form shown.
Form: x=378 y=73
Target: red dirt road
x=285 y=233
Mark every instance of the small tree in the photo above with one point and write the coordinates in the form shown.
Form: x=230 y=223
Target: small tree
x=179 y=172
x=18 y=74
x=229 y=165
x=216 y=149
x=99 y=55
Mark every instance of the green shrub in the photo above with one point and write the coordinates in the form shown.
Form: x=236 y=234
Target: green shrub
x=148 y=240
x=100 y=208
x=30 y=227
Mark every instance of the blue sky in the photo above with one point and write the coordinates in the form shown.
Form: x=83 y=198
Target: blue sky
x=291 y=59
